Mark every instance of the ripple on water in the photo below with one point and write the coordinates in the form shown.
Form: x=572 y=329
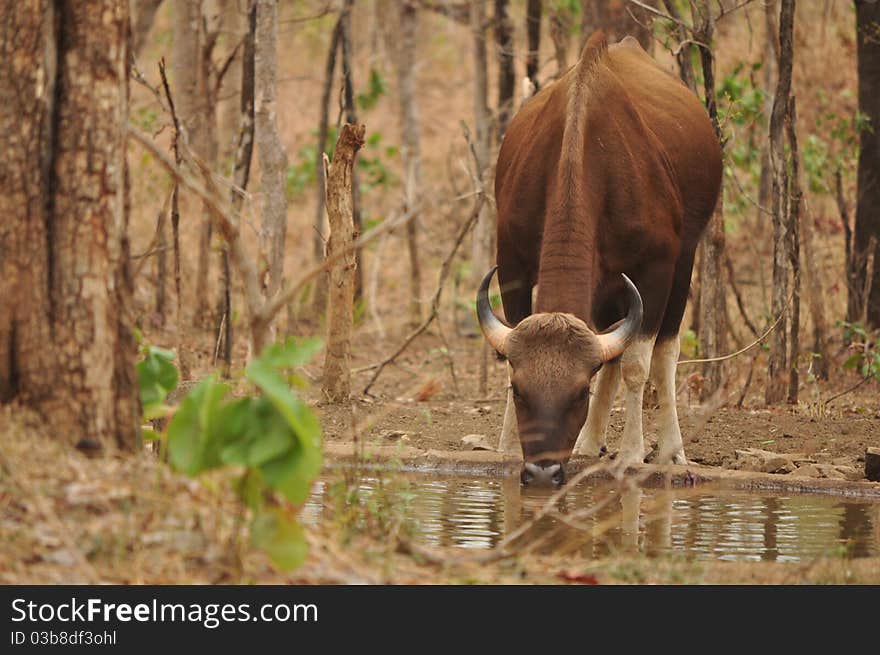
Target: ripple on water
x=700 y=524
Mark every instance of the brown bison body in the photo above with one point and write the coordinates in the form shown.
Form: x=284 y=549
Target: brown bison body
x=613 y=169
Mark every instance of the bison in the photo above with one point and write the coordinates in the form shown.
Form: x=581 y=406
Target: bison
x=604 y=183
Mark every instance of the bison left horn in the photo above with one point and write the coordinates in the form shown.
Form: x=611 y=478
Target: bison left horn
x=613 y=343
x=493 y=328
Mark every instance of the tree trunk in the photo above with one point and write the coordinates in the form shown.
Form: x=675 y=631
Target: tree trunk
x=777 y=366
x=817 y=302
x=685 y=64
x=506 y=72
x=482 y=244
x=712 y=301
x=533 y=36
x=351 y=117
x=66 y=342
x=319 y=299
x=192 y=87
x=771 y=55
x=411 y=150
x=240 y=178
x=337 y=370
x=272 y=158
x=793 y=248
x=866 y=241
x=161 y=265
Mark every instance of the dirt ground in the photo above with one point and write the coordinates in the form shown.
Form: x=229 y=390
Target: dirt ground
x=416 y=402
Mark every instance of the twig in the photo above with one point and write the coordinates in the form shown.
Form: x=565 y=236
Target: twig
x=435 y=303
x=852 y=388
x=736 y=294
x=219 y=339
x=151 y=249
x=742 y=350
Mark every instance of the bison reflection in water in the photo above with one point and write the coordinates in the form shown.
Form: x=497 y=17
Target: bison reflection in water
x=604 y=183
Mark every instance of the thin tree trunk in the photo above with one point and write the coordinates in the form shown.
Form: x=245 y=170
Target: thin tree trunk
x=533 y=36
x=866 y=238
x=161 y=265
x=483 y=243
x=66 y=339
x=183 y=351
x=794 y=253
x=506 y=73
x=337 y=362
x=411 y=151
x=199 y=112
x=240 y=177
x=771 y=56
x=272 y=158
x=685 y=65
x=352 y=118
x=816 y=295
x=712 y=304
x=777 y=366
x=319 y=299
x=853 y=298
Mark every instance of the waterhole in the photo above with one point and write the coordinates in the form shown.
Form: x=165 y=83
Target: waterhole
x=599 y=519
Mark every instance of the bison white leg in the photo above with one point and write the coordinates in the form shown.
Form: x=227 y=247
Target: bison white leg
x=509 y=443
x=669 y=444
x=592 y=438
x=635 y=365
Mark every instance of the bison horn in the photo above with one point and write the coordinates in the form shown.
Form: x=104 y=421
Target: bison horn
x=493 y=328
x=613 y=343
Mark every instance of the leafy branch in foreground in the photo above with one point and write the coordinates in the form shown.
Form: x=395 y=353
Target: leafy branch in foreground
x=273 y=438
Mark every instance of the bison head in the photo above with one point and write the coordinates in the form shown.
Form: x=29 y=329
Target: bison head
x=552 y=358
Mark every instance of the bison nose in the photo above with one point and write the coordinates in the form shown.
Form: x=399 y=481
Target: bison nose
x=543 y=473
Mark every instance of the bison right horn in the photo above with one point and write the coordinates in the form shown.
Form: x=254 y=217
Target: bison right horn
x=612 y=344
x=493 y=328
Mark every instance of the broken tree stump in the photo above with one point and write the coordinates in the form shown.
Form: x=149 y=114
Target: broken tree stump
x=340 y=214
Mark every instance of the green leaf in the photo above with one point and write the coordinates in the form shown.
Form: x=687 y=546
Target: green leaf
x=276 y=438
x=157 y=376
x=295 y=412
x=194 y=430
x=292 y=474
x=292 y=353
x=281 y=536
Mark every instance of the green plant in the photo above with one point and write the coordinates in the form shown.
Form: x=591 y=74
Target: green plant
x=376 y=88
x=272 y=439
x=865 y=350
x=157 y=377
x=832 y=146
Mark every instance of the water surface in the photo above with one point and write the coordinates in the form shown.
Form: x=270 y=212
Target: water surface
x=694 y=523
